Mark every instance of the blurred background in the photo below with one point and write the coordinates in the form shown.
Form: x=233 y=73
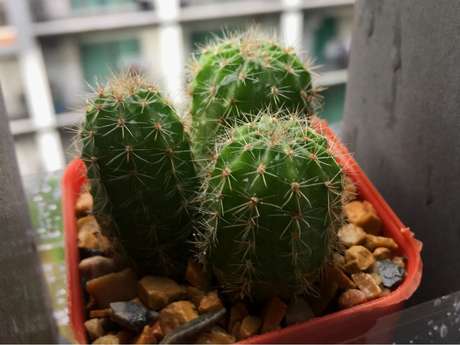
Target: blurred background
x=53 y=51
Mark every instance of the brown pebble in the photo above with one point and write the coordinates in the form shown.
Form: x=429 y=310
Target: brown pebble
x=84 y=204
x=157 y=331
x=147 y=336
x=96 y=266
x=399 y=261
x=363 y=214
x=107 y=312
x=377 y=278
x=95 y=328
x=272 y=314
x=334 y=273
x=176 y=314
x=210 y=302
x=363 y=257
x=156 y=292
x=215 y=336
x=351 y=235
x=351 y=298
x=381 y=253
x=385 y=292
x=237 y=313
x=367 y=284
x=249 y=326
x=113 y=287
x=108 y=339
x=235 y=329
x=351 y=266
x=338 y=259
x=372 y=242
x=87 y=221
x=195 y=275
x=91 y=237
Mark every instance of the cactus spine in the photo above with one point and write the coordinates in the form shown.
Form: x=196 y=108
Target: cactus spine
x=142 y=177
x=242 y=75
x=273 y=203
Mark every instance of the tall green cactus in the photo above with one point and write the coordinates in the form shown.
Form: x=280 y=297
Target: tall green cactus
x=273 y=204
x=241 y=75
x=142 y=176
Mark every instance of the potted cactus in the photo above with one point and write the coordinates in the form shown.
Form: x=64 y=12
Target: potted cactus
x=240 y=228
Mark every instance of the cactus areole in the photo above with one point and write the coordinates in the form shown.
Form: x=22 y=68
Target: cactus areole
x=242 y=75
x=141 y=172
x=273 y=204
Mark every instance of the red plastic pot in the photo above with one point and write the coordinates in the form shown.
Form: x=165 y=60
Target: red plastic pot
x=338 y=327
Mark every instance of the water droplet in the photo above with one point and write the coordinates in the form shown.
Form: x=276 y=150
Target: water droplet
x=437 y=302
x=435 y=327
x=430 y=333
x=430 y=322
x=448 y=313
x=443 y=331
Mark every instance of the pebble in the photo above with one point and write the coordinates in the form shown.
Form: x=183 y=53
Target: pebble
x=399 y=261
x=298 y=311
x=338 y=259
x=272 y=314
x=100 y=312
x=195 y=275
x=157 y=292
x=157 y=331
x=363 y=257
x=193 y=327
x=381 y=253
x=175 y=315
x=84 y=204
x=250 y=326
x=391 y=273
x=90 y=237
x=377 y=278
x=335 y=274
x=351 y=266
x=237 y=313
x=131 y=315
x=147 y=336
x=363 y=214
x=94 y=328
x=372 y=242
x=215 y=336
x=96 y=266
x=113 y=287
x=351 y=298
x=108 y=339
x=366 y=283
x=349 y=192
x=351 y=235
x=195 y=295
x=210 y=302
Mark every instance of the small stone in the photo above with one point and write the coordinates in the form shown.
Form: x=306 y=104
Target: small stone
x=237 y=313
x=399 y=261
x=95 y=328
x=157 y=331
x=96 y=266
x=385 y=292
x=298 y=311
x=100 y=313
x=176 y=314
x=349 y=192
x=91 y=237
x=195 y=295
x=235 y=329
x=351 y=298
x=363 y=214
x=272 y=314
x=381 y=253
x=372 y=242
x=249 y=326
x=84 y=204
x=88 y=221
x=338 y=259
x=367 y=284
x=351 y=235
x=363 y=257
x=195 y=275
x=156 y=292
x=108 y=339
x=210 y=302
x=147 y=336
x=215 y=336
x=126 y=336
x=337 y=275
x=352 y=267
x=390 y=273
x=131 y=315
x=377 y=278
x=113 y=287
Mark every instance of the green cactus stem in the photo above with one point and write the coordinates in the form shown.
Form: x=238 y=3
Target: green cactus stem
x=241 y=75
x=272 y=201
x=142 y=177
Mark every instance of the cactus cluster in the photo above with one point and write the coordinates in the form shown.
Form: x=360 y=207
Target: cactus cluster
x=236 y=77
x=269 y=203
x=141 y=171
x=272 y=201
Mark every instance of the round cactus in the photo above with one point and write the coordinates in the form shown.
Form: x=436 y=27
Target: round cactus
x=141 y=171
x=273 y=204
x=241 y=75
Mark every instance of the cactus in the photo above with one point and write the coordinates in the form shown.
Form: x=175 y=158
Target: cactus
x=241 y=75
x=272 y=201
x=142 y=176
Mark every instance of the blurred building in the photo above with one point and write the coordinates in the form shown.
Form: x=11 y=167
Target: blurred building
x=53 y=51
